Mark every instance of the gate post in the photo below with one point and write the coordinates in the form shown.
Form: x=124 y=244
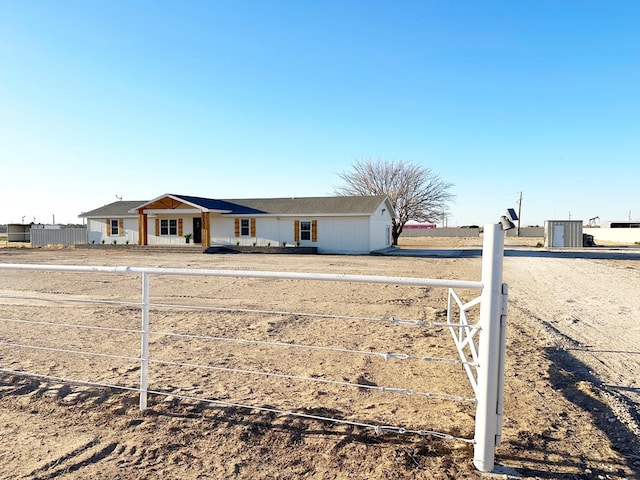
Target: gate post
x=490 y=372
x=144 y=342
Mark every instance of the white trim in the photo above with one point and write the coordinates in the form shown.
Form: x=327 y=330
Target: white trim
x=168 y=234
x=115 y=215
x=301 y=215
x=177 y=199
x=171 y=211
x=240 y=234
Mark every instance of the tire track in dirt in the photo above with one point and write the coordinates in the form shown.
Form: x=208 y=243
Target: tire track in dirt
x=591 y=309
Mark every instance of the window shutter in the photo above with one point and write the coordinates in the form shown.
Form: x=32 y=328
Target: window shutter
x=236 y=227
x=121 y=226
x=108 y=227
x=157 y=226
x=179 y=227
x=314 y=230
x=253 y=227
x=296 y=231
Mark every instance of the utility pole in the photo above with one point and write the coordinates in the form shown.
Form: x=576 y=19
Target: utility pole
x=519 y=214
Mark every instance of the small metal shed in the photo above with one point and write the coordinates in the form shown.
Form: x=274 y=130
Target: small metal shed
x=17 y=232
x=563 y=233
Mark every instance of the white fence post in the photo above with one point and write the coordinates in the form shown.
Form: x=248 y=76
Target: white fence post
x=144 y=343
x=489 y=406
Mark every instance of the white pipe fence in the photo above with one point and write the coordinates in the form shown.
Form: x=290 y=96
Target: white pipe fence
x=480 y=346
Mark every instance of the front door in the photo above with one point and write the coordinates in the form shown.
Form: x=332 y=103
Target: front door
x=558 y=236
x=197 y=230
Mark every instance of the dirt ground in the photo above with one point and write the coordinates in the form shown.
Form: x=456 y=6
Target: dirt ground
x=572 y=406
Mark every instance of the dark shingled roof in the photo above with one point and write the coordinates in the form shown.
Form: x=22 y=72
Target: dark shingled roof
x=256 y=206
x=312 y=205
x=115 y=209
x=213 y=204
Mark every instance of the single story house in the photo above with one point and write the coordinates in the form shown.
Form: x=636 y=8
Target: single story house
x=359 y=224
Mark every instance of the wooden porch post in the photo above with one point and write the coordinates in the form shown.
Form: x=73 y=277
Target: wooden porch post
x=206 y=230
x=142 y=229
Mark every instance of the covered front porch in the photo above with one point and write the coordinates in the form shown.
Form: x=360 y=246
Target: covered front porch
x=170 y=220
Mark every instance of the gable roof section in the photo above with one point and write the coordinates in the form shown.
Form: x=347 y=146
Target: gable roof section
x=115 y=209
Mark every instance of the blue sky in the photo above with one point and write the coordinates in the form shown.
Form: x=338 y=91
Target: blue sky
x=245 y=99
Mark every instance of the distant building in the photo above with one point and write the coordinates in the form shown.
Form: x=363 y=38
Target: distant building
x=621 y=224
x=418 y=226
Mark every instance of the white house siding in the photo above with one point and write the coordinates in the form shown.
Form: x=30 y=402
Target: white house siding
x=131 y=230
x=153 y=239
x=335 y=234
x=97 y=231
x=380 y=229
x=343 y=235
x=269 y=230
x=222 y=232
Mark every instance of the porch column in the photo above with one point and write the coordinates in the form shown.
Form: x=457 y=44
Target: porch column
x=142 y=229
x=206 y=230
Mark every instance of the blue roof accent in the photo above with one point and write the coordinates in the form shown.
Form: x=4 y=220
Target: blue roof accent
x=213 y=204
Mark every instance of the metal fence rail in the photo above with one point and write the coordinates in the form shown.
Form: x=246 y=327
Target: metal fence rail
x=480 y=346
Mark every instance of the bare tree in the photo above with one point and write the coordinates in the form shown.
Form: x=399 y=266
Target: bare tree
x=416 y=192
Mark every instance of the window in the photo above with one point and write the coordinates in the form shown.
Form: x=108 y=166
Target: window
x=305 y=230
x=115 y=227
x=168 y=227
x=245 y=229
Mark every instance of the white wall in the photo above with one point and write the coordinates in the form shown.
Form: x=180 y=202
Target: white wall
x=343 y=235
x=527 y=232
x=97 y=231
x=380 y=229
x=335 y=234
x=625 y=236
x=441 y=232
x=153 y=239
